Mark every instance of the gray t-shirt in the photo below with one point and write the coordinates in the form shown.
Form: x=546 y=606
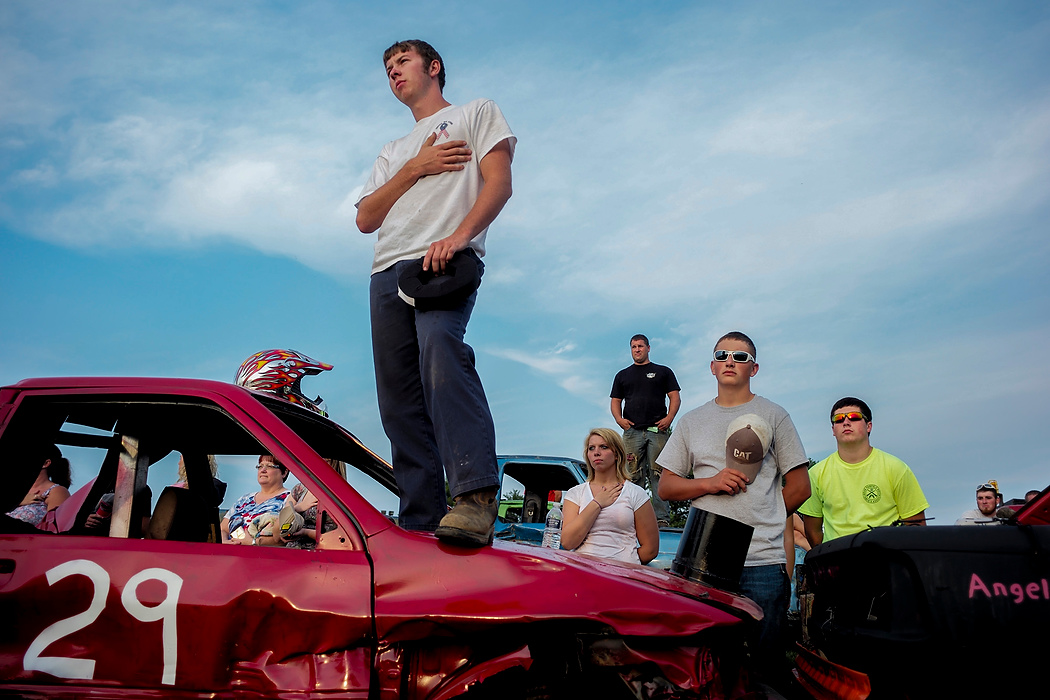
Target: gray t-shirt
x=697 y=448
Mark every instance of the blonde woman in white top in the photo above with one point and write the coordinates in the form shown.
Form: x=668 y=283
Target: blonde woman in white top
x=609 y=515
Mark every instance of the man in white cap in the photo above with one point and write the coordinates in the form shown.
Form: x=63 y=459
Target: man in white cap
x=859 y=486
x=987 y=502
x=743 y=454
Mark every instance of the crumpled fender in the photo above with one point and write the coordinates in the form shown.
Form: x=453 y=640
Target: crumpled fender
x=338 y=670
x=458 y=683
x=698 y=670
x=826 y=680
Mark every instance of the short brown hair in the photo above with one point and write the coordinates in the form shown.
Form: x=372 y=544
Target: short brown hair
x=427 y=52
x=740 y=337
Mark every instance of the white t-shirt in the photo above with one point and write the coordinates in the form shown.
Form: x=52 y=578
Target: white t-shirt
x=612 y=535
x=697 y=448
x=436 y=204
x=976 y=517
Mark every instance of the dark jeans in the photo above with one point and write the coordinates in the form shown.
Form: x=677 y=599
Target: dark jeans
x=770 y=588
x=431 y=402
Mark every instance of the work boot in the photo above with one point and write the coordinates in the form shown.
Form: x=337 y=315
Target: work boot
x=471 y=522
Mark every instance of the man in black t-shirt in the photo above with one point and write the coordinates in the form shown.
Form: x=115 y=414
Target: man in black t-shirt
x=645 y=398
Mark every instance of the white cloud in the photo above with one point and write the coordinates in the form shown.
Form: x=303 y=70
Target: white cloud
x=133 y=146
x=547 y=363
x=623 y=181
x=573 y=373
x=27 y=90
x=688 y=250
x=160 y=179
x=765 y=133
x=43 y=174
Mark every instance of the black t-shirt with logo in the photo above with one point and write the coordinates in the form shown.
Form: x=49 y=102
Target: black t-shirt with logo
x=644 y=389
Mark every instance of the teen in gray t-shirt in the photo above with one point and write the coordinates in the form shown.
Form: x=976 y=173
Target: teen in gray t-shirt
x=697 y=449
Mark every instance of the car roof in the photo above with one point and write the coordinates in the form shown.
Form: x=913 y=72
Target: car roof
x=175 y=385
x=123 y=382
x=536 y=458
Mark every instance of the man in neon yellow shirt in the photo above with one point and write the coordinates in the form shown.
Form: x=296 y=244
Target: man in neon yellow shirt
x=858 y=486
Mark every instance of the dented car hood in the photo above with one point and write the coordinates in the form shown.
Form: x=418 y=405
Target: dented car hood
x=518 y=583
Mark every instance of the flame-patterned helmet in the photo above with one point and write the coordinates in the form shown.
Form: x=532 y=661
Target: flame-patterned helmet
x=279 y=372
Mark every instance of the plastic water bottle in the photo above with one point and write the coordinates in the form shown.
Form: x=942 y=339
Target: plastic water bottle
x=552 y=531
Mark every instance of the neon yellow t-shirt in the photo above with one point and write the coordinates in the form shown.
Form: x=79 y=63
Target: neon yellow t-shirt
x=852 y=497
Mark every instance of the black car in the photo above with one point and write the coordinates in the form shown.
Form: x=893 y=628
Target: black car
x=922 y=612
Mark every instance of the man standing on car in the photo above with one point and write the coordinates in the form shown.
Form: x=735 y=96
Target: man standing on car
x=433 y=194
x=645 y=399
x=987 y=502
x=698 y=448
x=858 y=486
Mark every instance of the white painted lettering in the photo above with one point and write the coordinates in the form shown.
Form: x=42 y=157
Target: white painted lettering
x=165 y=610
x=84 y=669
x=62 y=666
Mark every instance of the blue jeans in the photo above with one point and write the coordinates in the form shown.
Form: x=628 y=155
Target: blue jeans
x=646 y=447
x=431 y=402
x=769 y=587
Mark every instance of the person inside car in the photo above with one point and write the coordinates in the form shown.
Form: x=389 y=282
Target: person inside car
x=268 y=501
x=219 y=484
x=98 y=523
x=298 y=519
x=51 y=487
x=609 y=515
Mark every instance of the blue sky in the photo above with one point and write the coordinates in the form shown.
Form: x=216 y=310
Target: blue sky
x=864 y=190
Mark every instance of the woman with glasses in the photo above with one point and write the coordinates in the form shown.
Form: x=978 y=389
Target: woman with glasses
x=262 y=506
x=609 y=516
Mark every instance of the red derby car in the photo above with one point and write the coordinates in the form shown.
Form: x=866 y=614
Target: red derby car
x=154 y=605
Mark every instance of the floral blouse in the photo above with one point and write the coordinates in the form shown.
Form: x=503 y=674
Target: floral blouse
x=245 y=510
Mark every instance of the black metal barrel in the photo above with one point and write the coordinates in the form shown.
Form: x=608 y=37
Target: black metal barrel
x=712 y=549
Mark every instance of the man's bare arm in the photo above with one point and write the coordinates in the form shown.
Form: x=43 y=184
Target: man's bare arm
x=796 y=488
x=917 y=519
x=674 y=401
x=431 y=160
x=616 y=406
x=676 y=488
x=814 y=527
x=495 y=191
